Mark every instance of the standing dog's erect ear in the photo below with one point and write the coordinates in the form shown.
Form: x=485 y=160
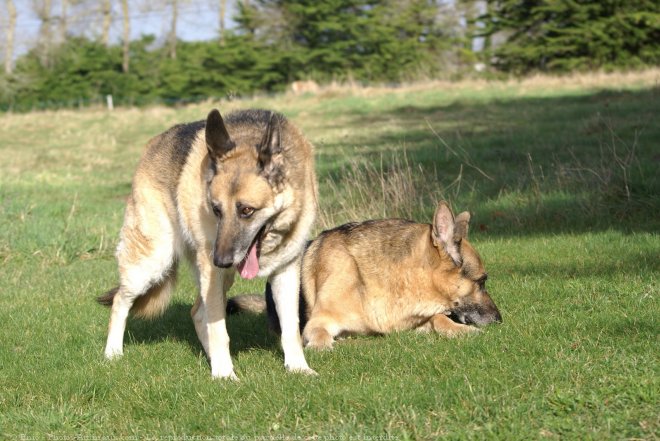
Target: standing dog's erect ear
x=217 y=137
x=269 y=147
x=271 y=142
x=444 y=230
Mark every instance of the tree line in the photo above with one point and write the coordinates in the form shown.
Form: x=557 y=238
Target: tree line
x=276 y=42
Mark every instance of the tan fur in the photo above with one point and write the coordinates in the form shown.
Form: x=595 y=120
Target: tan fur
x=188 y=192
x=385 y=276
x=254 y=303
x=154 y=302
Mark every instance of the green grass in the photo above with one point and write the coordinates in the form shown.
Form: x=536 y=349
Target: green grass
x=563 y=185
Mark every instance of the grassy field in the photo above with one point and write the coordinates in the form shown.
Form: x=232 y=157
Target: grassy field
x=562 y=178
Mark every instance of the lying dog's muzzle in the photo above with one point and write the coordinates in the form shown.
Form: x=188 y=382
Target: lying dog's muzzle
x=475 y=315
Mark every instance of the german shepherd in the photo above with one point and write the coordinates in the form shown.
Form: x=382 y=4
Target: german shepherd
x=232 y=195
x=381 y=276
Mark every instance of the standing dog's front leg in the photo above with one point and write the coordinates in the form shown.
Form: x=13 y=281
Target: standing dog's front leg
x=285 y=284
x=208 y=314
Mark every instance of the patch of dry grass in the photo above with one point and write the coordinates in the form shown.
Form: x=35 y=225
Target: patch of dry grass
x=649 y=77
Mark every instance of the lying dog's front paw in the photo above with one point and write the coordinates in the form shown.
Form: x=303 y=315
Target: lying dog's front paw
x=460 y=330
x=443 y=325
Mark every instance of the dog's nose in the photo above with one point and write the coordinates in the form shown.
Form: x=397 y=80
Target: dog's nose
x=223 y=261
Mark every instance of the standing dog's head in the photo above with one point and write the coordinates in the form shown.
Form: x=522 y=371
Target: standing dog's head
x=470 y=302
x=244 y=173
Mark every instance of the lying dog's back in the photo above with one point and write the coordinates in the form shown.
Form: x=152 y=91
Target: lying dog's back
x=354 y=269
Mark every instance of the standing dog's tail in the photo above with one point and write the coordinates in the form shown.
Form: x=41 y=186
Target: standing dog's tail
x=151 y=304
x=107 y=298
x=254 y=303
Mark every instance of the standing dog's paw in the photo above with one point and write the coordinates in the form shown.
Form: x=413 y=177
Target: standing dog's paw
x=230 y=376
x=302 y=370
x=113 y=353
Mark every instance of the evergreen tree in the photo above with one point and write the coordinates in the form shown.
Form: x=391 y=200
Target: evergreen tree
x=563 y=35
x=365 y=39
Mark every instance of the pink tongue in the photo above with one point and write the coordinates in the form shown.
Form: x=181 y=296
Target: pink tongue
x=249 y=267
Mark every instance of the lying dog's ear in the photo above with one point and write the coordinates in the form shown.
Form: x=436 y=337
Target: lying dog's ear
x=269 y=149
x=461 y=226
x=217 y=137
x=444 y=232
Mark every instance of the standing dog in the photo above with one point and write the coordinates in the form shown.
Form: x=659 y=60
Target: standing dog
x=381 y=276
x=233 y=195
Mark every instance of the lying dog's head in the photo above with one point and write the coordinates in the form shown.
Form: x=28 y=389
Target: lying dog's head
x=242 y=180
x=464 y=280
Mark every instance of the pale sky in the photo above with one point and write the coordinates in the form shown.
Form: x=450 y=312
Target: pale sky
x=198 y=20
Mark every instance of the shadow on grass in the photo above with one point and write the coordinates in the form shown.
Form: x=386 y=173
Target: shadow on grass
x=246 y=331
x=627 y=263
x=555 y=164
x=630 y=329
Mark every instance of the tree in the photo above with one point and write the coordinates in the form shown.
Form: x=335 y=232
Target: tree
x=221 y=19
x=64 y=4
x=9 y=43
x=127 y=36
x=171 y=37
x=248 y=17
x=42 y=9
x=542 y=35
x=106 y=12
x=467 y=12
x=365 y=39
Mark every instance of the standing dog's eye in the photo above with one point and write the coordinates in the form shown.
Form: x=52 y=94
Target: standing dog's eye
x=217 y=210
x=246 y=212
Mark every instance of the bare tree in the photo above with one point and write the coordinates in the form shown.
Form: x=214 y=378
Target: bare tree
x=106 y=11
x=171 y=38
x=222 y=12
x=64 y=4
x=11 y=29
x=127 y=34
x=42 y=9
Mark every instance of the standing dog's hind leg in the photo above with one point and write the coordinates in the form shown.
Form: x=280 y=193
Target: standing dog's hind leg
x=150 y=302
x=147 y=271
x=120 y=308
